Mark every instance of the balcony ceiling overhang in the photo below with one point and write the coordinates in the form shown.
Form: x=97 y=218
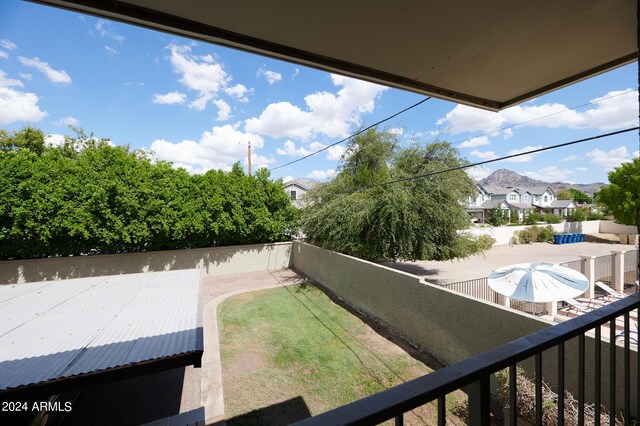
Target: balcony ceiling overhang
x=490 y=54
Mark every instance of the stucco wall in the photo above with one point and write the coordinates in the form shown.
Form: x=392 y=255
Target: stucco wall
x=449 y=325
x=503 y=234
x=215 y=260
x=610 y=227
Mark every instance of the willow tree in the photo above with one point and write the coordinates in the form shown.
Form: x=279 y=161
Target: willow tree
x=376 y=208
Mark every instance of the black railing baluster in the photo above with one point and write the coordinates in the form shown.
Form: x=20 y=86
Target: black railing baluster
x=442 y=410
x=400 y=420
x=538 y=381
x=627 y=371
x=597 y=374
x=612 y=372
x=581 y=380
x=513 y=394
x=560 y=383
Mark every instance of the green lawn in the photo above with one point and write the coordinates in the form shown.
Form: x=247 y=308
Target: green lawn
x=291 y=352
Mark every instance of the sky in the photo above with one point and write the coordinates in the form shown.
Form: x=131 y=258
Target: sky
x=198 y=105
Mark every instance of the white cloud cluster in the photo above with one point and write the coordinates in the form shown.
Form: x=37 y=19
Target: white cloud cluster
x=550 y=174
x=16 y=105
x=216 y=149
x=270 y=76
x=611 y=159
x=614 y=110
x=111 y=52
x=7 y=45
x=208 y=78
x=484 y=155
x=327 y=113
x=523 y=158
x=474 y=142
x=169 y=98
x=54 y=76
x=478 y=172
x=105 y=30
x=67 y=121
x=322 y=174
x=289 y=148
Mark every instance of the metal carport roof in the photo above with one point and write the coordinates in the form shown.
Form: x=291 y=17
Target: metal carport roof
x=490 y=54
x=56 y=335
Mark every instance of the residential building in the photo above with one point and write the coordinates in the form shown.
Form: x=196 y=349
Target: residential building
x=520 y=201
x=296 y=189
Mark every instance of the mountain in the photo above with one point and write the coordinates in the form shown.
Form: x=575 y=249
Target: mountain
x=504 y=178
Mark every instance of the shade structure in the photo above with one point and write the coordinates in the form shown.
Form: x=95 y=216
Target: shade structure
x=538 y=282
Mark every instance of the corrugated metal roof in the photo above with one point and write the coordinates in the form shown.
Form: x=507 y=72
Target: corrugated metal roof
x=59 y=329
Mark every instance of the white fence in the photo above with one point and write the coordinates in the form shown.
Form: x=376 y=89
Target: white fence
x=503 y=234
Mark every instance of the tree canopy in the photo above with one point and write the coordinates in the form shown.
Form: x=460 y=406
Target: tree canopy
x=622 y=196
x=358 y=213
x=88 y=196
x=575 y=195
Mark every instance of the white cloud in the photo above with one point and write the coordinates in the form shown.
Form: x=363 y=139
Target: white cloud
x=9 y=82
x=67 y=121
x=398 y=131
x=270 y=76
x=326 y=113
x=104 y=29
x=335 y=152
x=507 y=133
x=3 y=54
x=478 y=172
x=486 y=155
x=203 y=75
x=224 y=110
x=25 y=75
x=169 y=98
x=522 y=158
x=636 y=154
x=572 y=157
x=239 y=91
x=295 y=73
x=614 y=110
x=54 y=140
x=473 y=142
x=550 y=174
x=19 y=106
x=7 y=44
x=581 y=169
x=216 y=149
x=111 y=51
x=287 y=178
x=322 y=174
x=289 y=148
x=611 y=159
x=54 y=76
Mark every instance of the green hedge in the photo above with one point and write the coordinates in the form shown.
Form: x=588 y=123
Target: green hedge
x=102 y=199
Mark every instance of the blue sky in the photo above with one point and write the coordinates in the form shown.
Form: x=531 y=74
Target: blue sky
x=197 y=104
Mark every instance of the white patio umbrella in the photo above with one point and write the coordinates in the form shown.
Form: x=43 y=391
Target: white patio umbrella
x=538 y=282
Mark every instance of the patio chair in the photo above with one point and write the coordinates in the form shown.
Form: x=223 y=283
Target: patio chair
x=573 y=304
x=591 y=303
x=611 y=293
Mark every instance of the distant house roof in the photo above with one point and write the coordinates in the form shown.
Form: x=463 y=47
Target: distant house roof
x=563 y=204
x=495 y=190
x=493 y=204
x=303 y=183
x=520 y=206
x=537 y=190
x=71 y=332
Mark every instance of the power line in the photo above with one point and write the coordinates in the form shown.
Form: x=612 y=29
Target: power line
x=480 y=163
x=459 y=142
x=353 y=135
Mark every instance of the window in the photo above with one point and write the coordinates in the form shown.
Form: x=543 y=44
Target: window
x=294 y=195
x=546 y=198
x=512 y=197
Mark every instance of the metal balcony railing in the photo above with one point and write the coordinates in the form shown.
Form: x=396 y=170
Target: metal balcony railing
x=474 y=373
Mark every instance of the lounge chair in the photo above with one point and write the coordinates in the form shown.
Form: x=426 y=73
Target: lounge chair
x=573 y=304
x=611 y=293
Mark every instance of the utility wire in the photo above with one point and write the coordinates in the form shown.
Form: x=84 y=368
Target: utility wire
x=459 y=142
x=480 y=163
x=353 y=135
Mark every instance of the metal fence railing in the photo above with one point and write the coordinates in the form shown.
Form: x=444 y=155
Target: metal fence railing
x=618 y=391
x=479 y=289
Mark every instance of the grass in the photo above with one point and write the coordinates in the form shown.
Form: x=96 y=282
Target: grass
x=290 y=352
